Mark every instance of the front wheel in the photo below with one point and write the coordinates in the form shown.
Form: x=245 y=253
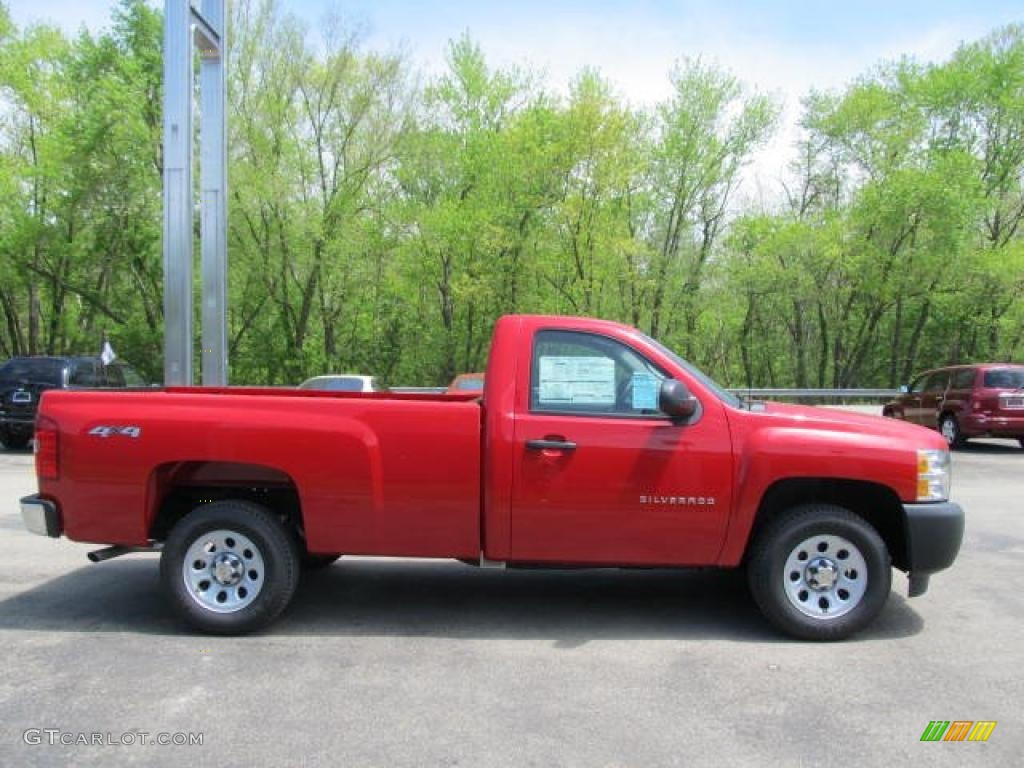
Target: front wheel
x=820 y=572
x=950 y=430
x=229 y=567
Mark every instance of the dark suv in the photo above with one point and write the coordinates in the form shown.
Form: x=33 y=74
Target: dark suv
x=964 y=401
x=24 y=379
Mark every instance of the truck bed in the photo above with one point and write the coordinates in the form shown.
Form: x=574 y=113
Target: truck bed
x=394 y=473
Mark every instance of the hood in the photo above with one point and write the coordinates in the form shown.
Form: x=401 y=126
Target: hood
x=832 y=419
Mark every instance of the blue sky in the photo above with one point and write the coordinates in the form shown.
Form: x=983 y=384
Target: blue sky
x=782 y=47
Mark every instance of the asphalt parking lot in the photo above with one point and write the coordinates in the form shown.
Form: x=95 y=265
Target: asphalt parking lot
x=398 y=663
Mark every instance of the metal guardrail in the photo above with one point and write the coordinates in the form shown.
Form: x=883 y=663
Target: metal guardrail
x=812 y=393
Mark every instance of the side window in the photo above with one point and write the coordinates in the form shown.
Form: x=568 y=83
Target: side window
x=131 y=376
x=916 y=385
x=115 y=375
x=83 y=374
x=963 y=379
x=587 y=374
x=936 y=382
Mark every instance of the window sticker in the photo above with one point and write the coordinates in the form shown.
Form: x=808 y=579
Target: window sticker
x=577 y=381
x=645 y=392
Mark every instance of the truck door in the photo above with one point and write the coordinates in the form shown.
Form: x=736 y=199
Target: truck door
x=600 y=474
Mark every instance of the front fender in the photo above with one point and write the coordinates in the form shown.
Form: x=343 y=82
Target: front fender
x=773 y=454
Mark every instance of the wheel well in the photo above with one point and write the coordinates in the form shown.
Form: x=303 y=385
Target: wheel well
x=877 y=504
x=179 y=488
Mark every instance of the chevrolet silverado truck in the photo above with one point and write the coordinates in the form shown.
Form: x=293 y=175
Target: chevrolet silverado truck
x=592 y=445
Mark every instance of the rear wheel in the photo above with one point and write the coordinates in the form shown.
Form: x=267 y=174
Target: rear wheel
x=230 y=567
x=820 y=572
x=950 y=430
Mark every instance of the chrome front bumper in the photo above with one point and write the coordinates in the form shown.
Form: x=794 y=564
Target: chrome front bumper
x=40 y=516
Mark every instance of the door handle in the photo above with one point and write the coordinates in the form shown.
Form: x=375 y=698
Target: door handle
x=550 y=445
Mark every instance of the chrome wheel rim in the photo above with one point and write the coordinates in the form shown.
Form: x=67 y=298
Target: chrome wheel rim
x=223 y=571
x=948 y=428
x=825 y=577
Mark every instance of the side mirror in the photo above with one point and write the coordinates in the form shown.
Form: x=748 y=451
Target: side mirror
x=675 y=400
x=904 y=388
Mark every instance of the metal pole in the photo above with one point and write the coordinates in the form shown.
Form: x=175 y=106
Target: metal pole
x=177 y=193
x=213 y=203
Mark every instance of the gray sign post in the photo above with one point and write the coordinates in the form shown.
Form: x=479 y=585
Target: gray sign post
x=209 y=24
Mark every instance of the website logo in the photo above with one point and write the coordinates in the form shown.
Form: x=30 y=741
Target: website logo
x=958 y=730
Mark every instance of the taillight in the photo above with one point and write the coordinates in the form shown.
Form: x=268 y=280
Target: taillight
x=47 y=445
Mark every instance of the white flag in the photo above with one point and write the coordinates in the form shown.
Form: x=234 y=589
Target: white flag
x=107 y=355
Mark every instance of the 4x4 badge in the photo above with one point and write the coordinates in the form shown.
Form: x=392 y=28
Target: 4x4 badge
x=105 y=431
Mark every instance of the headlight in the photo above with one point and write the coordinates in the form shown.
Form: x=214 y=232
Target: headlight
x=933 y=475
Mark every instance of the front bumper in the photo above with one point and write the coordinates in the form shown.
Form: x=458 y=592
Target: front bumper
x=41 y=516
x=934 y=534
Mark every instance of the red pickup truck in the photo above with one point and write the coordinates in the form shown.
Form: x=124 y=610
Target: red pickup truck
x=592 y=445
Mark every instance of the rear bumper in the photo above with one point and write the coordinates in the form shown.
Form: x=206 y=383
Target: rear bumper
x=934 y=534
x=41 y=516
x=19 y=423
x=982 y=425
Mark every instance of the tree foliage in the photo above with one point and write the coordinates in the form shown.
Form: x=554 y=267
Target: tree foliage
x=381 y=220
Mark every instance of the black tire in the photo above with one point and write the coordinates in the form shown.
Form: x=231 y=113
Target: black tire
x=950 y=429
x=1021 y=441
x=782 y=539
x=317 y=562
x=275 y=548
x=14 y=441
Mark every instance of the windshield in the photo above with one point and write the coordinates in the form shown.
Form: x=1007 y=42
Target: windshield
x=720 y=392
x=1005 y=378
x=34 y=371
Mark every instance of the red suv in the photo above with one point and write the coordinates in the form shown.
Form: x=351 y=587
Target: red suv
x=964 y=401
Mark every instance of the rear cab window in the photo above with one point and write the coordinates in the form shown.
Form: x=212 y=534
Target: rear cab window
x=131 y=376
x=115 y=376
x=84 y=374
x=28 y=371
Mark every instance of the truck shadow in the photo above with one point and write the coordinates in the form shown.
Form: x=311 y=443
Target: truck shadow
x=365 y=598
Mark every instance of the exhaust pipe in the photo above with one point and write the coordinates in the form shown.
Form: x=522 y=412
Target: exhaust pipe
x=109 y=553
